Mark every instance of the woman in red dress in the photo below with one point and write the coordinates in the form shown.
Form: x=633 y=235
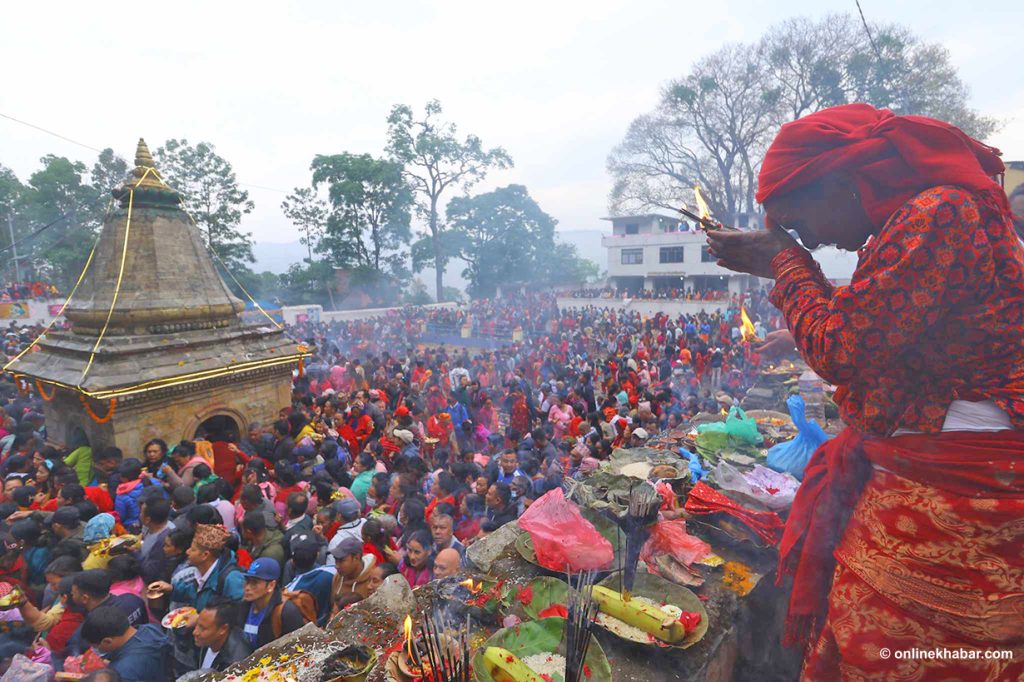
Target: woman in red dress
x=908 y=530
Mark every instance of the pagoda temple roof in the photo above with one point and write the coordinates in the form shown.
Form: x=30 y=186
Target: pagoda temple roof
x=151 y=310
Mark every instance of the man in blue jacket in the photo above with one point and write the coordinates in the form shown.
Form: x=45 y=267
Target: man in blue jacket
x=139 y=654
x=213 y=573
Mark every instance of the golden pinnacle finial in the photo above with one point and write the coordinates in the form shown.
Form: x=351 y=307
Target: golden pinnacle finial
x=146 y=182
x=142 y=156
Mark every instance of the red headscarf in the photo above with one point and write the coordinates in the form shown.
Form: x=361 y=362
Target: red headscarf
x=892 y=158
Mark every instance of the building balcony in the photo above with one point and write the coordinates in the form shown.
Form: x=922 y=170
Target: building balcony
x=652 y=239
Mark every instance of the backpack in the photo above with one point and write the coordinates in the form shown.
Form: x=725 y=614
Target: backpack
x=303 y=600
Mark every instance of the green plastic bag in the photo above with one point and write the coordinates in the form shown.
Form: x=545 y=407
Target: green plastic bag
x=741 y=428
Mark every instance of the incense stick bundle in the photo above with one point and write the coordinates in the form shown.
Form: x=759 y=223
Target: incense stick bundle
x=644 y=502
x=447 y=651
x=706 y=223
x=582 y=610
x=641 y=512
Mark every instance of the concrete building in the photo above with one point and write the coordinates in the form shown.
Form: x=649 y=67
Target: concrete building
x=657 y=252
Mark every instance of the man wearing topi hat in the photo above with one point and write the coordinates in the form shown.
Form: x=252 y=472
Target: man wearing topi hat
x=213 y=574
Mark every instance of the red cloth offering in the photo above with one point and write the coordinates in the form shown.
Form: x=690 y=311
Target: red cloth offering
x=703 y=499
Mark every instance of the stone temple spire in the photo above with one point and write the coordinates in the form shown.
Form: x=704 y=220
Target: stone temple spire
x=148 y=185
x=143 y=158
x=155 y=329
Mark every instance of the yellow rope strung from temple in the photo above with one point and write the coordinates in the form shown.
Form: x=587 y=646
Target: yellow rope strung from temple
x=120 y=278
x=244 y=290
x=185 y=378
x=88 y=262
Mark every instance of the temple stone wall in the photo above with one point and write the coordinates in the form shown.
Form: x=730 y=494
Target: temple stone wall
x=172 y=418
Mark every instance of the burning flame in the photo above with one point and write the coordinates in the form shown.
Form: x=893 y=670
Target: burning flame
x=408 y=636
x=702 y=206
x=471 y=586
x=748 y=330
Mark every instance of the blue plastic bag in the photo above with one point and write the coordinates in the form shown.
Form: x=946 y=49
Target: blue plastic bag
x=697 y=472
x=793 y=455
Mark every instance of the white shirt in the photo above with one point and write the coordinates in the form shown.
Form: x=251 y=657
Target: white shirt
x=208 y=658
x=967 y=415
x=351 y=529
x=201 y=580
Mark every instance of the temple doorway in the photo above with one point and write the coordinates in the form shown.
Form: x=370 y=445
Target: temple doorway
x=219 y=427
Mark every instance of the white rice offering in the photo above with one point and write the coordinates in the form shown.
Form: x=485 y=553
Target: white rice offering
x=546 y=663
x=639 y=470
x=634 y=634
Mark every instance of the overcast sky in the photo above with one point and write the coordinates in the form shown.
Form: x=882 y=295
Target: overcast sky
x=273 y=84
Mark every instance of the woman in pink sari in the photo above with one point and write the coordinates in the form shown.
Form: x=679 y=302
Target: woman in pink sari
x=560 y=415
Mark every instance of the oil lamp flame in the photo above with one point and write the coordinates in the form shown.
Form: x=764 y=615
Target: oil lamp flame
x=408 y=636
x=472 y=586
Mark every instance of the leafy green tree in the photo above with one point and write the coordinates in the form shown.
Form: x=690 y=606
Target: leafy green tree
x=58 y=195
x=505 y=237
x=308 y=283
x=308 y=212
x=371 y=205
x=109 y=171
x=11 y=191
x=211 y=194
x=435 y=160
x=564 y=265
x=417 y=294
x=263 y=286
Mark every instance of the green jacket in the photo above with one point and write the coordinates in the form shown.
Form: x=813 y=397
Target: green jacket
x=361 y=485
x=272 y=547
x=80 y=460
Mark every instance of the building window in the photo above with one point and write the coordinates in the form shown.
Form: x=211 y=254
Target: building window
x=705 y=255
x=632 y=256
x=671 y=254
x=632 y=228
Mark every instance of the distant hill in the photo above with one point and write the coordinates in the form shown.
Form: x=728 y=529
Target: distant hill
x=277 y=256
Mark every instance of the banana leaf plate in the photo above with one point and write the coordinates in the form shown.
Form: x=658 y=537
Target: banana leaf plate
x=536 y=637
x=662 y=591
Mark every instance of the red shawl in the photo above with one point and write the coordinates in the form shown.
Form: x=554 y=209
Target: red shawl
x=960 y=462
x=892 y=158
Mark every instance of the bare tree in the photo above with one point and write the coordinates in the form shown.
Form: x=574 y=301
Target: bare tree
x=712 y=126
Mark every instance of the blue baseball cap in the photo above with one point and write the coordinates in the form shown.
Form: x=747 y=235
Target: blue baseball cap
x=264 y=568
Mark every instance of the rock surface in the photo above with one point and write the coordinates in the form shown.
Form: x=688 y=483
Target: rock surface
x=499 y=544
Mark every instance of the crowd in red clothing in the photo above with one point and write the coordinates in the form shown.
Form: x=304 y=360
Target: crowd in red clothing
x=27 y=290
x=392 y=458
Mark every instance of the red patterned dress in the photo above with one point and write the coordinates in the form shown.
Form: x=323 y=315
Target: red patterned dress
x=932 y=555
